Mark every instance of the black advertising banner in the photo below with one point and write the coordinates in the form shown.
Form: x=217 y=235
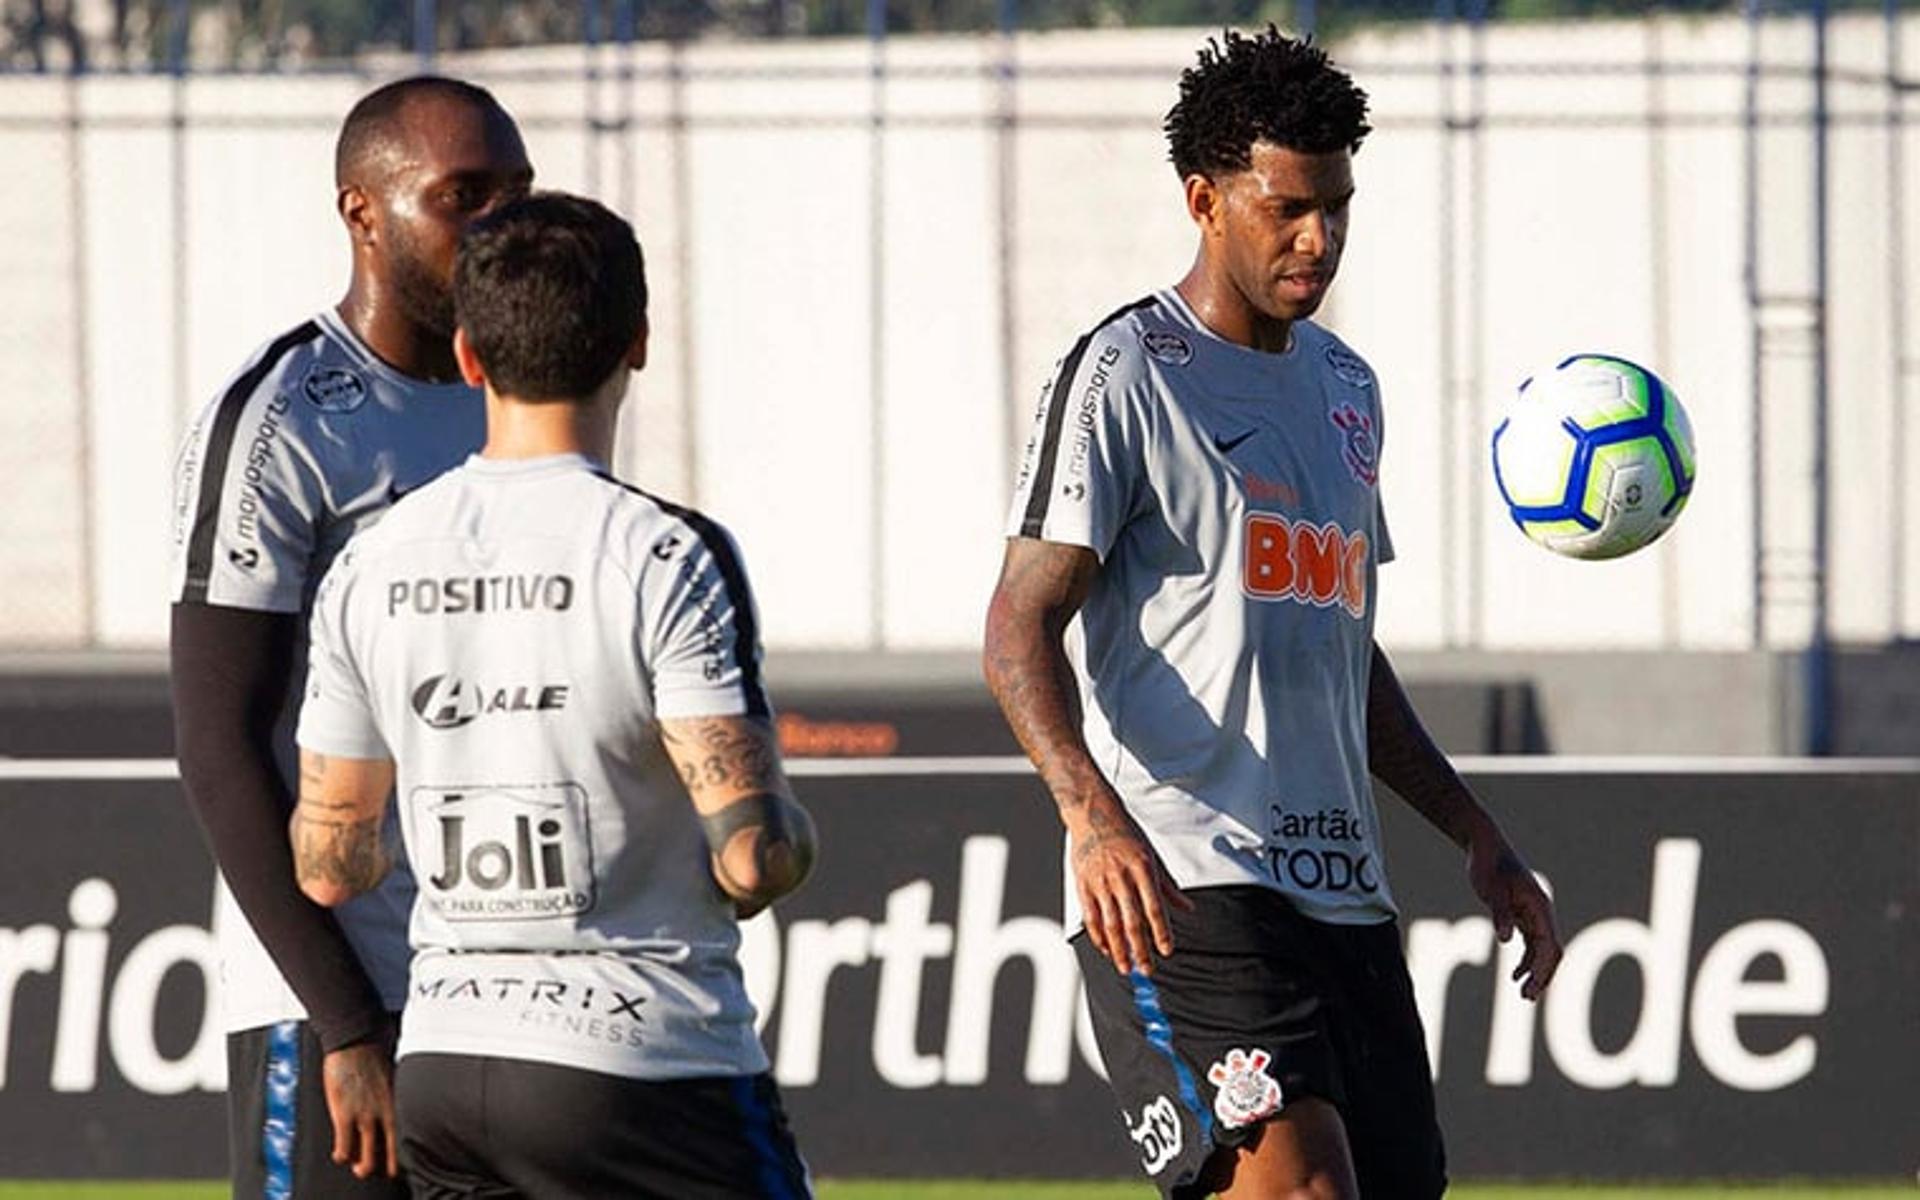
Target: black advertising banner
x=1737 y=997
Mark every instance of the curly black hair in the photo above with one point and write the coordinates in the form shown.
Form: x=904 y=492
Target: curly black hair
x=1268 y=87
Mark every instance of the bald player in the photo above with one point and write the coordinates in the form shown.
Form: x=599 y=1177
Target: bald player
x=1193 y=550
x=322 y=429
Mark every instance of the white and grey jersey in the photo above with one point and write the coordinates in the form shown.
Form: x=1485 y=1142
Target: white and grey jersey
x=1224 y=650
x=511 y=636
x=309 y=443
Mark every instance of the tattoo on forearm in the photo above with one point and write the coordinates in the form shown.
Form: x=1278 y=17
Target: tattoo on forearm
x=781 y=844
x=332 y=841
x=728 y=754
x=1031 y=679
x=338 y=850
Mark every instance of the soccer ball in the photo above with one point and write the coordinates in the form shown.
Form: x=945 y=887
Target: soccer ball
x=1594 y=458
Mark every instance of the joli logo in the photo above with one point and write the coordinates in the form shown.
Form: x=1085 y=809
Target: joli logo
x=504 y=854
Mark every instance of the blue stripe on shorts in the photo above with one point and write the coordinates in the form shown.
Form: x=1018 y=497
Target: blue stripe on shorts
x=277 y=1131
x=757 y=1117
x=1146 y=1001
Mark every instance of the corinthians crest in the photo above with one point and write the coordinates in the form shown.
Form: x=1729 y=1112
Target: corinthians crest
x=1247 y=1093
x=1361 y=449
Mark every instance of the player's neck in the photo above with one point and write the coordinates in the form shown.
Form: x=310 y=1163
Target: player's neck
x=541 y=429
x=408 y=347
x=1223 y=310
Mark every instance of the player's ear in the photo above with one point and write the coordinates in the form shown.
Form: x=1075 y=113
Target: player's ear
x=469 y=359
x=1204 y=202
x=637 y=353
x=356 y=210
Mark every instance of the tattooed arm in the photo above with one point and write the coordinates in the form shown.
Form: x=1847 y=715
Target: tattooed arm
x=762 y=841
x=1122 y=886
x=1402 y=755
x=338 y=852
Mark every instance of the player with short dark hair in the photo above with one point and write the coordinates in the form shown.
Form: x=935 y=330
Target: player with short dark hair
x=563 y=675
x=311 y=441
x=1192 y=550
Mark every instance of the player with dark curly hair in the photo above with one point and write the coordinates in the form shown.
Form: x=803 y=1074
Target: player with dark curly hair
x=1200 y=499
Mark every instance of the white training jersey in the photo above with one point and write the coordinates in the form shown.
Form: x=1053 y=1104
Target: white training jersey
x=512 y=636
x=309 y=443
x=1224 y=650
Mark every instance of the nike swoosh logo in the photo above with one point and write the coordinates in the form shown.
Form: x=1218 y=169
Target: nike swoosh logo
x=1226 y=445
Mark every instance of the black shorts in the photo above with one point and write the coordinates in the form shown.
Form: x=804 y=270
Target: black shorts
x=499 y=1127
x=1259 y=1006
x=279 y=1136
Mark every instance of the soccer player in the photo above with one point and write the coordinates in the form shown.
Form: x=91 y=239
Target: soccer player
x=564 y=673
x=1192 y=548
x=312 y=440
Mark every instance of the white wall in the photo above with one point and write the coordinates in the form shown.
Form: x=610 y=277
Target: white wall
x=872 y=518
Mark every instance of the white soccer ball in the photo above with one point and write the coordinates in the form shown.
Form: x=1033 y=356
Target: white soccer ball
x=1594 y=458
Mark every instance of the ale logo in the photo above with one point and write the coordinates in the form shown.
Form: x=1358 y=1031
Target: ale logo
x=448 y=701
x=504 y=853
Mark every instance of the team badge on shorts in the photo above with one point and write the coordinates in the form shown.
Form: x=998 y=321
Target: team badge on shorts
x=1348 y=367
x=1361 y=450
x=1157 y=1134
x=1169 y=348
x=1246 y=1092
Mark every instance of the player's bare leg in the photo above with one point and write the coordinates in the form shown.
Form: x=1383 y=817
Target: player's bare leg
x=1301 y=1154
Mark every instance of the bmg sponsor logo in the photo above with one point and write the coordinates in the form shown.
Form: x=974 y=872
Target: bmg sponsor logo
x=1317 y=565
x=503 y=853
x=447 y=701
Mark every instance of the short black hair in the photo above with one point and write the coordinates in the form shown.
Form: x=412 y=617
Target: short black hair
x=1264 y=88
x=373 y=120
x=551 y=290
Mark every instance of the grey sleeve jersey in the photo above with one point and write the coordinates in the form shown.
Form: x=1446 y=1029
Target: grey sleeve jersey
x=1224 y=646
x=512 y=638
x=1080 y=479
x=247 y=496
x=310 y=441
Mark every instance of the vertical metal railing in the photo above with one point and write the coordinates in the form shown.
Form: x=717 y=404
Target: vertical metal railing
x=1006 y=181
x=877 y=322
x=1820 y=647
x=1901 y=364
x=1446 y=15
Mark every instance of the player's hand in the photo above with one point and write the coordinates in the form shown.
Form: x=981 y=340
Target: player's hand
x=1517 y=901
x=359 y=1085
x=1123 y=888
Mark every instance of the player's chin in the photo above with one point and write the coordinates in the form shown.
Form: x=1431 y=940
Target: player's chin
x=1294 y=298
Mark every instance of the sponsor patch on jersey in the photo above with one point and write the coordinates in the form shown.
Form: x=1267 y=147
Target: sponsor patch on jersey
x=446 y=701
x=1169 y=348
x=1317 y=565
x=1348 y=367
x=334 y=389
x=1359 y=448
x=522 y=853
x=1157 y=1133
x=1246 y=1092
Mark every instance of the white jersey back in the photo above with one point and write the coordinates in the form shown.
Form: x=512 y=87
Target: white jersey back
x=1224 y=650
x=511 y=636
x=308 y=444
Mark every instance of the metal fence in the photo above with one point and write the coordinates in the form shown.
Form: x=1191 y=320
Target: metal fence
x=1812 y=524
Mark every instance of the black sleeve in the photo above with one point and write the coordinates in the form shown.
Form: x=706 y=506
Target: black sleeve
x=230 y=672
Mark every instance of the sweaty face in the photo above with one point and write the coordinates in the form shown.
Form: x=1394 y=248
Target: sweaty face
x=1284 y=223
x=455 y=161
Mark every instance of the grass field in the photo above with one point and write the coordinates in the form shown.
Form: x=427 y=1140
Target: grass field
x=890 y=1189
